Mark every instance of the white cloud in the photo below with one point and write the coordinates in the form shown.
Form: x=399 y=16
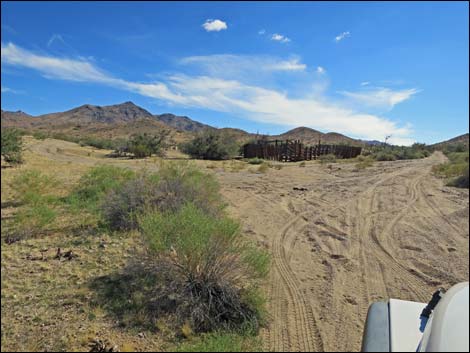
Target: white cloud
x=261 y=32
x=214 y=25
x=381 y=97
x=52 y=67
x=10 y=90
x=249 y=101
x=341 y=36
x=287 y=65
x=365 y=83
x=235 y=65
x=320 y=70
x=280 y=38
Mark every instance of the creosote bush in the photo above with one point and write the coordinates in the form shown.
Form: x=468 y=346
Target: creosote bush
x=12 y=145
x=96 y=183
x=214 y=267
x=456 y=169
x=255 y=160
x=211 y=144
x=168 y=190
x=364 y=162
x=327 y=158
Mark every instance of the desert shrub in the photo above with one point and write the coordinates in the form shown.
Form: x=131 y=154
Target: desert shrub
x=185 y=182
x=263 y=168
x=461 y=181
x=455 y=147
x=364 y=162
x=145 y=145
x=65 y=137
x=385 y=156
x=99 y=143
x=12 y=145
x=168 y=190
x=214 y=267
x=255 y=160
x=121 y=206
x=327 y=158
x=387 y=152
x=211 y=144
x=96 y=183
x=40 y=135
x=302 y=164
x=456 y=169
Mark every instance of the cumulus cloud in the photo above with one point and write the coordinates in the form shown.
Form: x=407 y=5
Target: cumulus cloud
x=280 y=38
x=365 y=83
x=249 y=101
x=381 y=97
x=341 y=36
x=320 y=70
x=214 y=25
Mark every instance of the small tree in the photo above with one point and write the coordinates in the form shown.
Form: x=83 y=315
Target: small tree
x=145 y=145
x=211 y=144
x=12 y=145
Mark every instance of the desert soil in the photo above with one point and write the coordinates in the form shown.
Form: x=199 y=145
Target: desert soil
x=340 y=238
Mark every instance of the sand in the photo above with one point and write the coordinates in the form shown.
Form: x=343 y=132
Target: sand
x=340 y=238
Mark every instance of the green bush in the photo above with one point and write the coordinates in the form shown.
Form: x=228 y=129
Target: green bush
x=214 y=267
x=327 y=158
x=168 y=190
x=255 y=160
x=461 y=181
x=263 y=168
x=65 y=137
x=385 y=156
x=145 y=145
x=364 y=162
x=40 y=135
x=455 y=147
x=211 y=144
x=99 y=143
x=392 y=153
x=12 y=145
x=96 y=183
x=456 y=169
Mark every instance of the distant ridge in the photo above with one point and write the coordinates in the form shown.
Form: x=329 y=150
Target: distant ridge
x=126 y=118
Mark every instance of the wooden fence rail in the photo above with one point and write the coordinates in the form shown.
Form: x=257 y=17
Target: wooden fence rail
x=292 y=151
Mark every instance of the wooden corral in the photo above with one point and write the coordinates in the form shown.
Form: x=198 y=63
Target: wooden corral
x=292 y=151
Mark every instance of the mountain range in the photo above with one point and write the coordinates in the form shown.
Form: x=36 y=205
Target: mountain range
x=124 y=119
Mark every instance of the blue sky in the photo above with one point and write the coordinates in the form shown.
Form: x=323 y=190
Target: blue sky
x=363 y=69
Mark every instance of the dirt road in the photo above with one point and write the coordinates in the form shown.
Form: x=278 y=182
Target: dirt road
x=347 y=238
x=340 y=240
